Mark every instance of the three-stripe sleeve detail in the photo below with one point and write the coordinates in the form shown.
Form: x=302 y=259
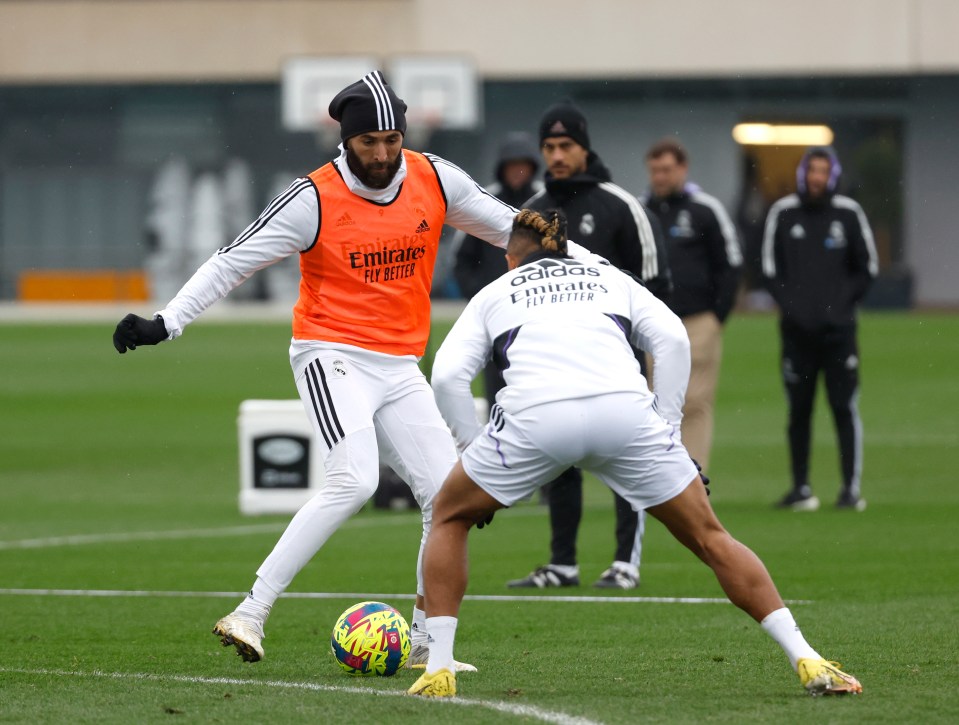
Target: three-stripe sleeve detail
x=734 y=254
x=844 y=202
x=769 y=233
x=272 y=209
x=646 y=240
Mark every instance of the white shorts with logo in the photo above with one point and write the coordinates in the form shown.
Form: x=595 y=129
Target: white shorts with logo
x=347 y=389
x=619 y=437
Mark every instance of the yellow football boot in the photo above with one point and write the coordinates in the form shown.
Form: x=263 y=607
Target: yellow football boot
x=441 y=683
x=821 y=677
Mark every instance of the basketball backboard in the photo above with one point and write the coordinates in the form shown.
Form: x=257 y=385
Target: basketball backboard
x=439 y=91
x=310 y=82
x=441 y=87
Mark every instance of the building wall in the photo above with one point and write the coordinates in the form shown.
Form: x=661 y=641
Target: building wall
x=931 y=161
x=199 y=78
x=55 y=41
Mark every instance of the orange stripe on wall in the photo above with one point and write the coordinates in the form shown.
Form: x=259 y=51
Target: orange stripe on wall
x=73 y=285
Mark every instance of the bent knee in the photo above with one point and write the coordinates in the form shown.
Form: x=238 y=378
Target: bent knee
x=714 y=545
x=351 y=477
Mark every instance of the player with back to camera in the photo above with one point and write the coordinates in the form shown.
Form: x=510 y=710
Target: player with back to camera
x=366 y=226
x=561 y=330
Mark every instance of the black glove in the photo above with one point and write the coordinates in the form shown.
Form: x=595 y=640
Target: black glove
x=133 y=330
x=485 y=522
x=703 y=477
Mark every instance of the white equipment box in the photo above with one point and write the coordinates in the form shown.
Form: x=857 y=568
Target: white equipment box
x=279 y=465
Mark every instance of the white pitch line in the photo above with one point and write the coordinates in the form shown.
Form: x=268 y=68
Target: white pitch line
x=216 y=532
x=525 y=711
x=125 y=536
x=367 y=596
x=174 y=534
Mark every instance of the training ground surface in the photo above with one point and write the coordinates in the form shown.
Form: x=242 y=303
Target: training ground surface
x=121 y=544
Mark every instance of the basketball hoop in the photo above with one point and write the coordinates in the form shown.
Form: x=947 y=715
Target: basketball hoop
x=440 y=92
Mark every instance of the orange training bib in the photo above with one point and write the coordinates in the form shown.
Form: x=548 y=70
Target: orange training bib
x=366 y=280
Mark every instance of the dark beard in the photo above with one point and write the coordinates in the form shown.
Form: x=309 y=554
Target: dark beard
x=376 y=176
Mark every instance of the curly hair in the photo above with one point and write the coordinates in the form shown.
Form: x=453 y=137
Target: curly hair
x=546 y=229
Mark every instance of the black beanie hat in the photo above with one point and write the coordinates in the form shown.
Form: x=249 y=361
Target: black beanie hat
x=368 y=105
x=564 y=119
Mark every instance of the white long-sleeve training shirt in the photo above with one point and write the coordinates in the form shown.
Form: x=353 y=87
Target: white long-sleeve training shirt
x=290 y=223
x=560 y=329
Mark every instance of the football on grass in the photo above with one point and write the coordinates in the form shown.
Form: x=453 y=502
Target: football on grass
x=371 y=638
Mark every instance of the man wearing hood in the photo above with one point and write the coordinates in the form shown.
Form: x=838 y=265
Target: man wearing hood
x=479 y=263
x=819 y=260
x=610 y=222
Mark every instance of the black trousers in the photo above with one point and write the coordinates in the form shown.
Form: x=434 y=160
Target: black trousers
x=565 y=511
x=835 y=353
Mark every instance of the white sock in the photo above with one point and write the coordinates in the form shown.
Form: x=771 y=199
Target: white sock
x=781 y=626
x=565 y=570
x=626 y=567
x=258 y=602
x=418 y=627
x=442 y=632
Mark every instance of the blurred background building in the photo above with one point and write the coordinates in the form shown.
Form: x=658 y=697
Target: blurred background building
x=138 y=136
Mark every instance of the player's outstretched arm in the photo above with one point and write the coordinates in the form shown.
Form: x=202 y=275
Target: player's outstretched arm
x=134 y=330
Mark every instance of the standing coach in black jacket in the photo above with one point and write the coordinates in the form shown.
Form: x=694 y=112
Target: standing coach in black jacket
x=819 y=259
x=705 y=261
x=610 y=222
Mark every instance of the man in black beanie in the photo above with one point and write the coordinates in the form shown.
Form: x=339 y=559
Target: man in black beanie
x=370 y=106
x=366 y=228
x=609 y=221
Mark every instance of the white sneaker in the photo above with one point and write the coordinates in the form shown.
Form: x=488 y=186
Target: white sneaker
x=420 y=654
x=616 y=578
x=244 y=634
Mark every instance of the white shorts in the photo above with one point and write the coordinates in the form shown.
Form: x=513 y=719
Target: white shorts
x=619 y=437
x=346 y=389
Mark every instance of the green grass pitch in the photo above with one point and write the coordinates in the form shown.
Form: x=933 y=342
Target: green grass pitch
x=143 y=448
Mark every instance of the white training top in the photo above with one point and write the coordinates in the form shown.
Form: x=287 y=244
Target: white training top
x=289 y=225
x=560 y=329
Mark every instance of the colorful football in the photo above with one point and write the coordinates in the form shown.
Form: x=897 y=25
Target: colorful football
x=371 y=638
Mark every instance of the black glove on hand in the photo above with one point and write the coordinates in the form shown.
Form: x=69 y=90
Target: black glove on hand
x=133 y=330
x=703 y=476
x=485 y=522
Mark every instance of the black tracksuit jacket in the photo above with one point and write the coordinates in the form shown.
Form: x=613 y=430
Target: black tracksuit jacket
x=608 y=221
x=705 y=259
x=819 y=259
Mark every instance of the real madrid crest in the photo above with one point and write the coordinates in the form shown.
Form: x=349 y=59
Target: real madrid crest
x=587 y=225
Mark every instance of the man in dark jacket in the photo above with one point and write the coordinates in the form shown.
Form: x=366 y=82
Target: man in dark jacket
x=819 y=259
x=477 y=262
x=705 y=261
x=610 y=222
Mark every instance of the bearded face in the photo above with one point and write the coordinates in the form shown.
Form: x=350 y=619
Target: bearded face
x=375 y=157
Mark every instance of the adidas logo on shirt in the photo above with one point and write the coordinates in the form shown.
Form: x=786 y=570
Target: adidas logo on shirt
x=345 y=221
x=423 y=227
